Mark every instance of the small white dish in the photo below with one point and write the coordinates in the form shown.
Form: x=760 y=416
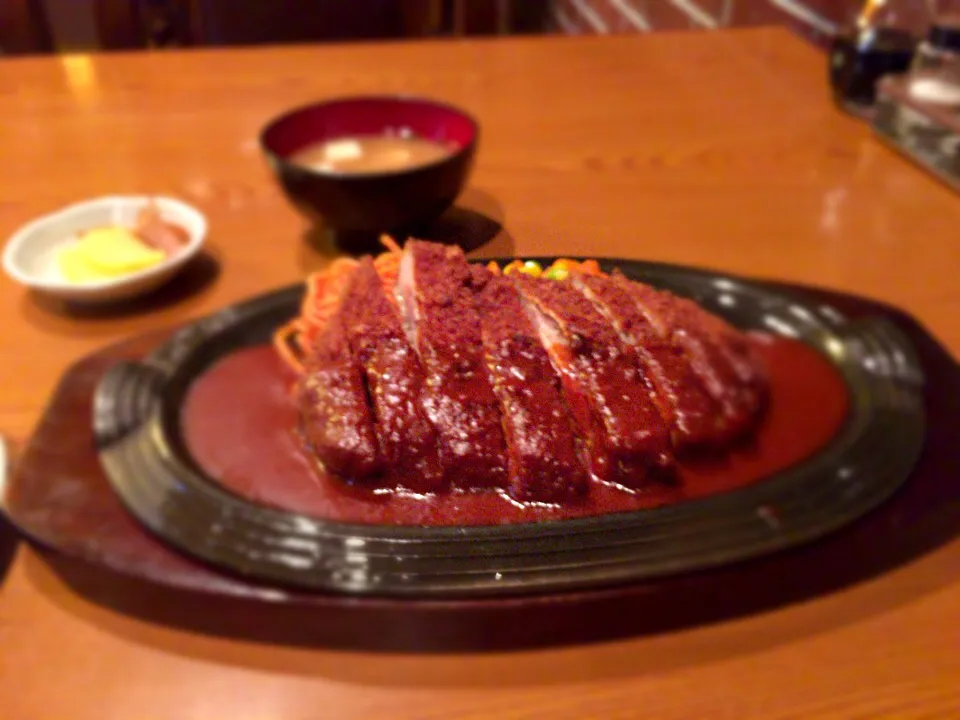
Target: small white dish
x=30 y=256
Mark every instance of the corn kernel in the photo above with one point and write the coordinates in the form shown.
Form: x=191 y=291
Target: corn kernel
x=531 y=268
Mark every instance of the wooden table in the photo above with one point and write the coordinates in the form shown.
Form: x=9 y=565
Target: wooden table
x=717 y=149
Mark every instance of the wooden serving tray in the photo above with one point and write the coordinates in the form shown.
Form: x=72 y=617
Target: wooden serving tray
x=61 y=501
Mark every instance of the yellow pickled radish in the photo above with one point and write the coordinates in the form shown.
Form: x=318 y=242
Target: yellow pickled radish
x=117 y=250
x=106 y=253
x=75 y=267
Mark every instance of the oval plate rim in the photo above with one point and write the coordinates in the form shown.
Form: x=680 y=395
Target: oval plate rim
x=360 y=559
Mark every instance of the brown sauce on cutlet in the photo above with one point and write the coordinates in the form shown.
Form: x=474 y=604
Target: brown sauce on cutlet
x=458 y=397
x=337 y=423
x=542 y=449
x=686 y=326
x=692 y=414
x=629 y=440
x=394 y=380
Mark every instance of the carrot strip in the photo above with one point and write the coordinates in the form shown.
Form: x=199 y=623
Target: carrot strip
x=282 y=343
x=590 y=267
x=390 y=244
x=388 y=268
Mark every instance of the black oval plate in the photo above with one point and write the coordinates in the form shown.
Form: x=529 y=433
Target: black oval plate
x=137 y=426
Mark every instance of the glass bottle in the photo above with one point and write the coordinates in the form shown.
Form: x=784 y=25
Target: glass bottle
x=941 y=45
x=882 y=40
x=935 y=71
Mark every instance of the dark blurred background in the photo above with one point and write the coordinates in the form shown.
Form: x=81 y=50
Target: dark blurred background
x=80 y=25
x=31 y=26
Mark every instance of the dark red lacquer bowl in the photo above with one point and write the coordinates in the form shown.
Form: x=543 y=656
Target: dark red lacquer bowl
x=378 y=202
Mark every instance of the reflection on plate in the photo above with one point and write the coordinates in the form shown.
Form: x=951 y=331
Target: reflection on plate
x=138 y=423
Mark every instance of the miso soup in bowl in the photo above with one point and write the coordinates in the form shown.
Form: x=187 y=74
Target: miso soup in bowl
x=377 y=164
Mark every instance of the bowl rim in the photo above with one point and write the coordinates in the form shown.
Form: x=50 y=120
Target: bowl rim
x=22 y=237
x=404 y=98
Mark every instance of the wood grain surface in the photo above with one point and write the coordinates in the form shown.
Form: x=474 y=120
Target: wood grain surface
x=717 y=150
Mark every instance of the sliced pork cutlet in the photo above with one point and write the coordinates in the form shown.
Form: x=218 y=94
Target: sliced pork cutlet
x=736 y=346
x=436 y=294
x=542 y=455
x=627 y=438
x=726 y=375
x=693 y=415
x=395 y=381
x=335 y=415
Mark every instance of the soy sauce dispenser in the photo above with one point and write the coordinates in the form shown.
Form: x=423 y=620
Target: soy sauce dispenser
x=935 y=71
x=882 y=40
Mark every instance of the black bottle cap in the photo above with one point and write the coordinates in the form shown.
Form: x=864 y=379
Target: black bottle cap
x=945 y=34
